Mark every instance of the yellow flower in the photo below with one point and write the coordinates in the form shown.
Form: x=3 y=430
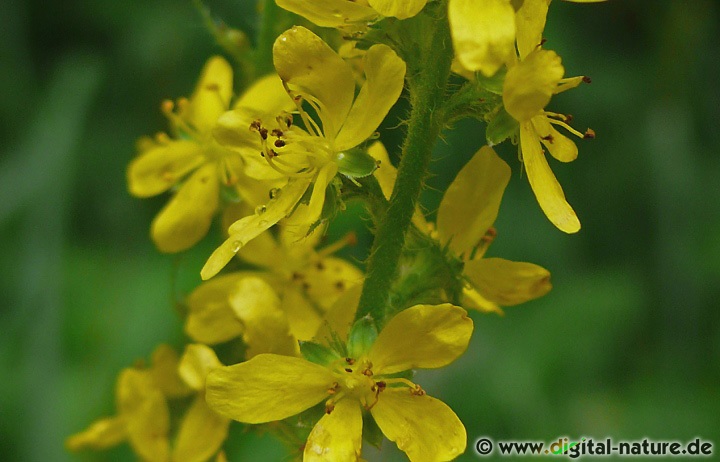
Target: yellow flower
x=193 y=162
x=286 y=300
x=465 y=220
x=354 y=14
x=272 y=387
x=310 y=158
x=528 y=88
x=143 y=417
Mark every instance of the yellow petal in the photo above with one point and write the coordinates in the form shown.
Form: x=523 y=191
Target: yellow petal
x=303 y=318
x=262 y=251
x=327 y=278
x=101 y=434
x=267 y=388
x=210 y=318
x=212 y=95
x=337 y=437
x=530 y=84
x=306 y=215
x=188 y=216
x=385 y=73
x=157 y=169
x=310 y=67
x=507 y=282
x=251 y=226
x=164 y=372
x=386 y=172
x=401 y=9
x=266 y=98
x=547 y=190
x=330 y=13
x=530 y=22
x=196 y=363
x=474 y=299
x=232 y=130
x=422 y=426
x=266 y=327
x=483 y=33
x=201 y=434
x=424 y=336
x=471 y=203
x=560 y=146
x=146 y=413
x=340 y=316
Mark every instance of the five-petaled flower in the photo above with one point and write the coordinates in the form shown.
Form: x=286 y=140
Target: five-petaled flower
x=272 y=387
x=530 y=82
x=193 y=162
x=309 y=159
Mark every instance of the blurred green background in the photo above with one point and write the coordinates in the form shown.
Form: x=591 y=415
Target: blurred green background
x=626 y=345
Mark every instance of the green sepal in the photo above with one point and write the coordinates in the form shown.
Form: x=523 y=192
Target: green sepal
x=361 y=337
x=492 y=84
x=355 y=163
x=371 y=432
x=501 y=126
x=318 y=354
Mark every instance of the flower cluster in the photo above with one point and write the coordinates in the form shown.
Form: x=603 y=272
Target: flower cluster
x=290 y=336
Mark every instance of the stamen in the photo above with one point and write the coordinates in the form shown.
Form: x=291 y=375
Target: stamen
x=303 y=115
x=349 y=239
x=287 y=173
x=568 y=84
x=378 y=387
x=566 y=127
x=176 y=122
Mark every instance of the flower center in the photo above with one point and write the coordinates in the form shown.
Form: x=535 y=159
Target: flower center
x=356 y=380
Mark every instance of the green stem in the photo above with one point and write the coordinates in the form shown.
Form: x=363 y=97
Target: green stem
x=270 y=28
x=427 y=92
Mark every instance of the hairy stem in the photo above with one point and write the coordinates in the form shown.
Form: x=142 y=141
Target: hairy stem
x=427 y=92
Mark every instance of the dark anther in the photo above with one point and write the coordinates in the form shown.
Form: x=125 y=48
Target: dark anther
x=589 y=134
x=276 y=132
x=347 y=369
x=279 y=143
x=548 y=138
x=350 y=361
x=263 y=133
x=320 y=266
x=340 y=285
x=587 y=79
